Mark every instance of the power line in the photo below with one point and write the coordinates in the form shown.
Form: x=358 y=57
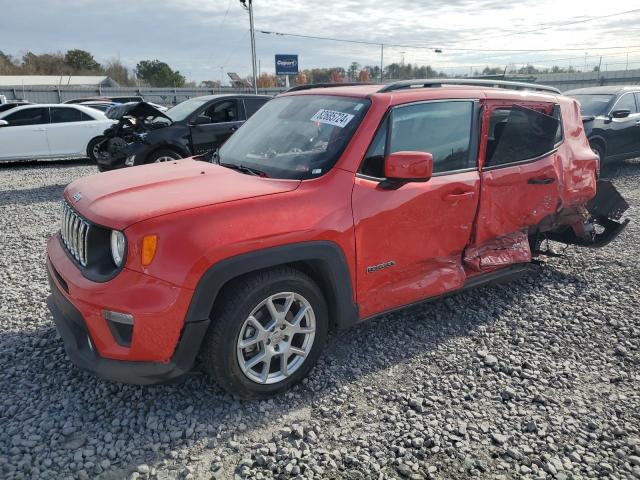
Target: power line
x=540 y=61
x=545 y=26
x=219 y=29
x=331 y=39
x=233 y=52
x=427 y=47
x=225 y=15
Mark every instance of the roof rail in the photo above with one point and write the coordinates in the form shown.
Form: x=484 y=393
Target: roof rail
x=439 y=82
x=324 y=85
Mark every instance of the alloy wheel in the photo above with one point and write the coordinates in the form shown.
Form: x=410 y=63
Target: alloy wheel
x=164 y=159
x=276 y=338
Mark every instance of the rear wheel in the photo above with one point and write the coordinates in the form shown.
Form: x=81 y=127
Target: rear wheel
x=267 y=333
x=163 y=155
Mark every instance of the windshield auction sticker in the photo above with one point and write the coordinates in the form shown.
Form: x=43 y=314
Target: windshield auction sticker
x=331 y=117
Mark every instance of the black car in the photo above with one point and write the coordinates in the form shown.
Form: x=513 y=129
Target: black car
x=13 y=104
x=611 y=117
x=144 y=134
x=134 y=98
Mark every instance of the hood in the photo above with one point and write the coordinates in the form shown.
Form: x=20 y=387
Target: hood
x=120 y=198
x=134 y=109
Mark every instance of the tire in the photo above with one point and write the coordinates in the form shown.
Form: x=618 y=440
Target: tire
x=91 y=148
x=163 y=155
x=598 y=149
x=247 y=299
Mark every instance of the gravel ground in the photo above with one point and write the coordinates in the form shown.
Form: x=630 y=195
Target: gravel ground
x=535 y=379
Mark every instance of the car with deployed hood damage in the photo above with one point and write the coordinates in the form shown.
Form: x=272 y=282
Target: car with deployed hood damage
x=144 y=134
x=331 y=205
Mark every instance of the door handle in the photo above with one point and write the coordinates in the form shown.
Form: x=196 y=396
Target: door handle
x=541 y=181
x=233 y=129
x=452 y=197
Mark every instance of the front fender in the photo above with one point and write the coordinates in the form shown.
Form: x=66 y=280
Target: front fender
x=324 y=258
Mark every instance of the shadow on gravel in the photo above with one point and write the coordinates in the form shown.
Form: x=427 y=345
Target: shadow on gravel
x=48 y=193
x=626 y=168
x=173 y=416
x=37 y=363
x=25 y=164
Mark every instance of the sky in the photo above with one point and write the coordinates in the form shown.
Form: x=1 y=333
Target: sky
x=205 y=39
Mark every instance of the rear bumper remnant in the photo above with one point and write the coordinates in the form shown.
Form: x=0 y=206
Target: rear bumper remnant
x=603 y=224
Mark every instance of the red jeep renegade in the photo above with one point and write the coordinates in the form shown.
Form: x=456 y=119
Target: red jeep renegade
x=328 y=207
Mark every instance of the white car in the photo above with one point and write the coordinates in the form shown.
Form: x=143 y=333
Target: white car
x=50 y=131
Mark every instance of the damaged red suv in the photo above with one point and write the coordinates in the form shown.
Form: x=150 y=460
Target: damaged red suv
x=328 y=207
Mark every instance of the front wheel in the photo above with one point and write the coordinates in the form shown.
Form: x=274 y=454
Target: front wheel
x=93 y=149
x=164 y=155
x=267 y=332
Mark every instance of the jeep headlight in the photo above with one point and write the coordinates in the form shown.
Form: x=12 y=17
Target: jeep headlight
x=118 y=247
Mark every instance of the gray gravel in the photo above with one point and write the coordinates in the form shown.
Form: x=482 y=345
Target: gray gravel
x=536 y=379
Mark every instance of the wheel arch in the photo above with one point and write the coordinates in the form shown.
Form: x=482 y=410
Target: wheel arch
x=323 y=261
x=91 y=140
x=600 y=140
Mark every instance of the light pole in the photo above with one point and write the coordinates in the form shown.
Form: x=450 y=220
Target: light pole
x=253 y=42
x=381 y=62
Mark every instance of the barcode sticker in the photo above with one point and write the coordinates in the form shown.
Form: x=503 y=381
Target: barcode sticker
x=331 y=117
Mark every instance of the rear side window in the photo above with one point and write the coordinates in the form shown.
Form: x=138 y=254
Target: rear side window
x=520 y=134
x=252 y=105
x=65 y=115
x=559 y=132
x=28 y=116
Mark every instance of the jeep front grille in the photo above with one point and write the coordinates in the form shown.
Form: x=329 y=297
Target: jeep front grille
x=74 y=231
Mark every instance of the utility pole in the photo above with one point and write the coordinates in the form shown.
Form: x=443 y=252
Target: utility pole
x=253 y=42
x=381 y=61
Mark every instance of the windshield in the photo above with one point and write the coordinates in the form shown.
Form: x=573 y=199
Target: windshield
x=296 y=137
x=593 y=104
x=181 y=111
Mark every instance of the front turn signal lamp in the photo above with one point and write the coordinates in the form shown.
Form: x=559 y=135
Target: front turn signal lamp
x=149 y=245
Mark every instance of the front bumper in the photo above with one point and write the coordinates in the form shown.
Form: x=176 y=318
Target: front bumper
x=116 y=160
x=163 y=347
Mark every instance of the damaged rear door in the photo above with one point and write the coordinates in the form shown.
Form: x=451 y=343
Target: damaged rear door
x=519 y=182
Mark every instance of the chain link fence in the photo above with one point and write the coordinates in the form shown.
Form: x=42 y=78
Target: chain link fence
x=173 y=96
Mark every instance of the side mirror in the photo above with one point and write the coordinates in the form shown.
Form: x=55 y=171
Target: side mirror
x=4 y=123
x=403 y=167
x=622 y=113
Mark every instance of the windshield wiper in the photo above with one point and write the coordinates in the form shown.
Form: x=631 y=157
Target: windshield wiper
x=243 y=169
